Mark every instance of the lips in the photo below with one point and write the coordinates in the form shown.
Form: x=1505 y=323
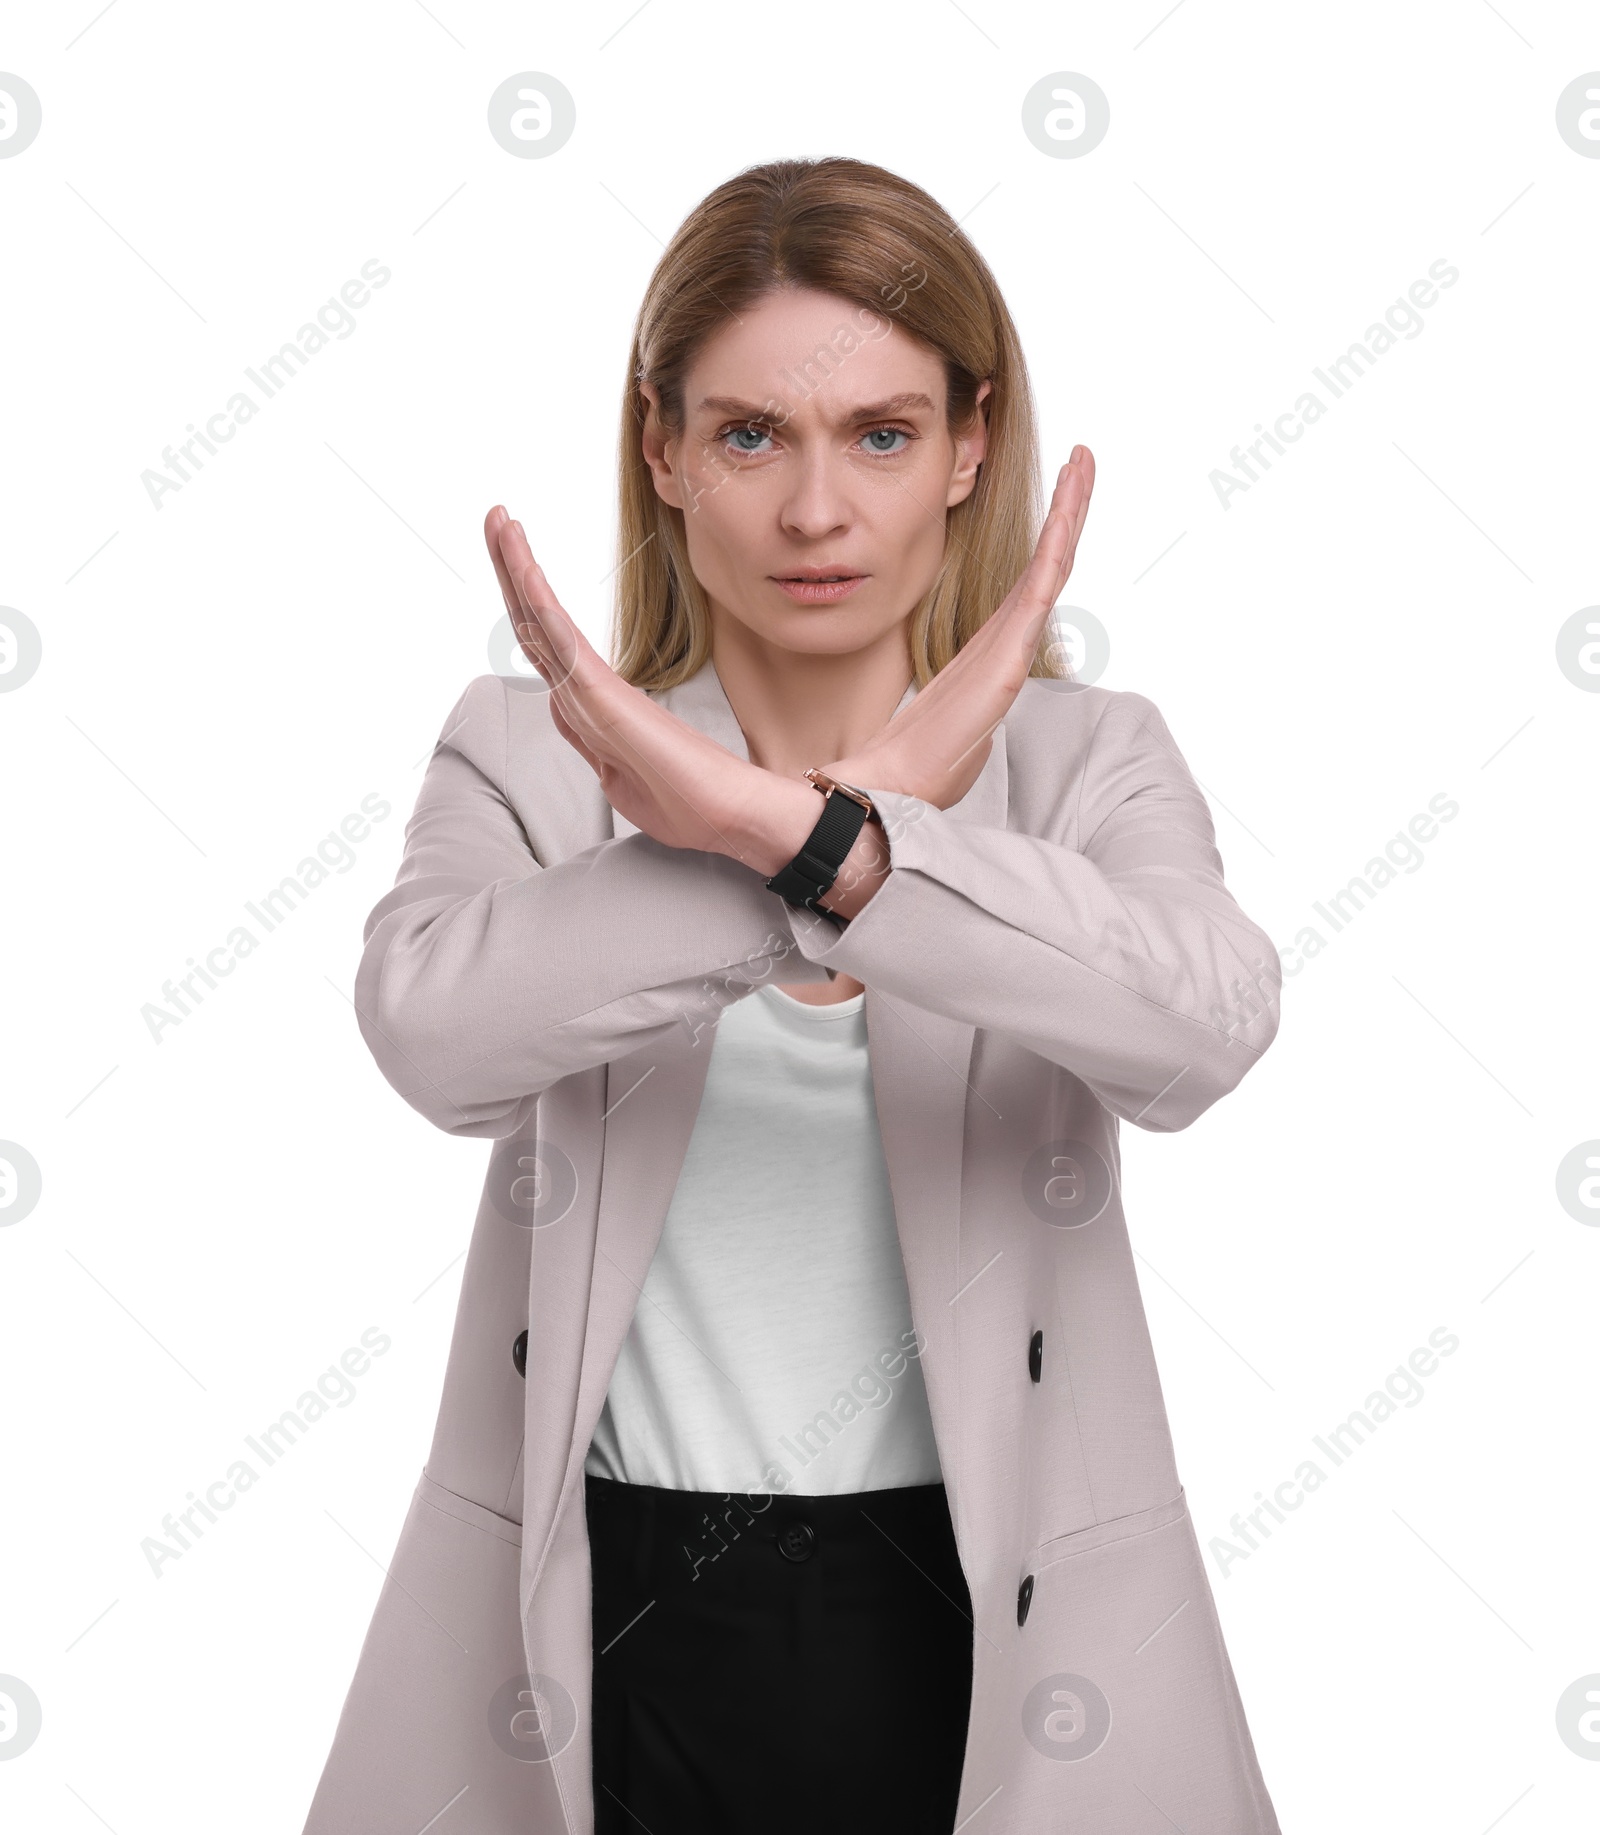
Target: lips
x=819 y=585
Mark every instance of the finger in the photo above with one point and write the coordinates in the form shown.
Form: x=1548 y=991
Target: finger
x=550 y=624
x=581 y=683
x=1031 y=601
x=1071 y=502
x=1039 y=584
x=496 y=529
x=547 y=633
x=1012 y=630
x=1086 y=467
x=497 y=519
x=572 y=737
x=526 y=628
x=543 y=621
x=535 y=645
x=1085 y=463
x=553 y=643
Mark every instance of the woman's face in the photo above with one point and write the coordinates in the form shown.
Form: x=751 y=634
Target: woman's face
x=814 y=441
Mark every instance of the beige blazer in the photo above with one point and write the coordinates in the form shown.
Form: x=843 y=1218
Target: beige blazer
x=1053 y=955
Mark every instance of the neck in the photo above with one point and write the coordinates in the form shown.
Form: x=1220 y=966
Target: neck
x=799 y=708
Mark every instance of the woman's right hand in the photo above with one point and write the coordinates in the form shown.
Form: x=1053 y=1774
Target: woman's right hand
x=669 y=779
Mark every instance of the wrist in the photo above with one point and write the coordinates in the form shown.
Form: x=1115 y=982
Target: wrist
x=862 y=871
x=773 y=822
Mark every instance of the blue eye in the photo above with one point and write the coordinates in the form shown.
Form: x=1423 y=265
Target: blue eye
x=735 y=436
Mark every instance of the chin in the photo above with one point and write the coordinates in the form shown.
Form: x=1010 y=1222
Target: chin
x=821 y=634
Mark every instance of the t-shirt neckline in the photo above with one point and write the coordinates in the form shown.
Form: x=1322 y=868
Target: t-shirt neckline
x=804 y=1009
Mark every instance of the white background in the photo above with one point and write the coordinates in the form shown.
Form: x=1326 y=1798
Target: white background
x=224 y=678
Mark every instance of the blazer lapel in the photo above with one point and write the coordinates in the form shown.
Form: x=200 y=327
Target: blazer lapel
x=920 y=1064
x=921 y=1073
x=652 y=1099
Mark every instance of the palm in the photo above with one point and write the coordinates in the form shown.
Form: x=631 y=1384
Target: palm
x=654 y=769
x=938 y=744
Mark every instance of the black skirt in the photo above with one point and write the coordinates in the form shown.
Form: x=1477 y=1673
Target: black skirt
x=776 y=1663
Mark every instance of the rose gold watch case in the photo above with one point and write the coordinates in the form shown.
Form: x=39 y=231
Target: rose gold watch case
x=827 y=785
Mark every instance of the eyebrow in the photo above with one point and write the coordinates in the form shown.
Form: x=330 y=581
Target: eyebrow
x=877 y=410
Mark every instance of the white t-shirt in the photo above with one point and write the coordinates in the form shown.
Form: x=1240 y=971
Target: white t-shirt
x=772 y=1347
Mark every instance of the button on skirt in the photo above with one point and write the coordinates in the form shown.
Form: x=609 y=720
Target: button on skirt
x=772 y=1663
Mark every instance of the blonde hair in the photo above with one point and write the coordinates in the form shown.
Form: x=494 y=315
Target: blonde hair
x=844 y=227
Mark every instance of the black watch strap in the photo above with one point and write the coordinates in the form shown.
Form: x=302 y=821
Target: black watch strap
x=814 y=869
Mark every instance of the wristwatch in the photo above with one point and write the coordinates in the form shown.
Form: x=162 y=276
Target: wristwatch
x=814 y=869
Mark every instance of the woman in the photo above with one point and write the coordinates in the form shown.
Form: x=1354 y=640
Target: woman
x=802 y=1452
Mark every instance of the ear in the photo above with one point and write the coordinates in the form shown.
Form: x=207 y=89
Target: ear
x=658 y=449
x=971 y=445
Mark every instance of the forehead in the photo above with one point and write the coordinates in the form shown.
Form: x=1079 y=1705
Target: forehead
x=816 y=356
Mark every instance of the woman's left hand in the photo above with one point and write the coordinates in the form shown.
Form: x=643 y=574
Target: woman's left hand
x=935 y=748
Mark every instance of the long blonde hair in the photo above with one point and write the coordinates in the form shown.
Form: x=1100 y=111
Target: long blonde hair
x=844 y=227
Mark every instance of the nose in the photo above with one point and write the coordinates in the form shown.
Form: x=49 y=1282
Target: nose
x=818 y=505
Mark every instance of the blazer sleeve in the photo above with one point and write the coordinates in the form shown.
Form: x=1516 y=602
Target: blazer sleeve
x=1124 y=958
x=487 y=974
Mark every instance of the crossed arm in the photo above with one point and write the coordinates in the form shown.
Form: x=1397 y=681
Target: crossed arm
x=487 y=974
